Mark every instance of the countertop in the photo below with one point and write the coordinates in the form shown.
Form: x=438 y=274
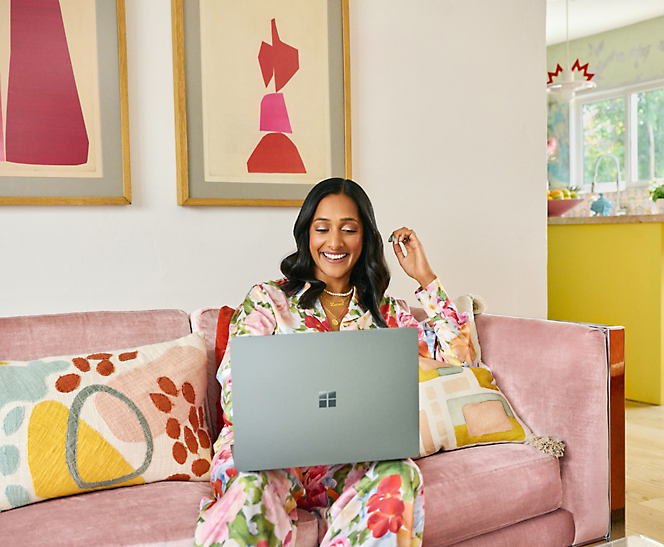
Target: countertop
x=622 y=219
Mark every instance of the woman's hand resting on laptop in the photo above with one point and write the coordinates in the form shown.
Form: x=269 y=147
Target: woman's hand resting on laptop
x=414 y=262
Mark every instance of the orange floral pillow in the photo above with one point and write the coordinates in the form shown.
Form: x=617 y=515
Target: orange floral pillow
x=101 y=420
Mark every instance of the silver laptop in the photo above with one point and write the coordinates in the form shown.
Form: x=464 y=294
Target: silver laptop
x=322 y=398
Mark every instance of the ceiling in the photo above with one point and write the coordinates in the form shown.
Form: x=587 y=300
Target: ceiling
x=588 y=17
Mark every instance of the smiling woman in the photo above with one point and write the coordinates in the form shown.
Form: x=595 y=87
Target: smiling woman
x=335 y=244
x=330 y=256
x=335 y=241
x=335 y=280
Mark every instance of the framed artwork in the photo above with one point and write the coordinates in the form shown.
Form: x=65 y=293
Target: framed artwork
x=262 y=99
x=64 y=132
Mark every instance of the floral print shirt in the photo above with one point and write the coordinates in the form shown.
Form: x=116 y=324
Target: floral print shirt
x=267 y=310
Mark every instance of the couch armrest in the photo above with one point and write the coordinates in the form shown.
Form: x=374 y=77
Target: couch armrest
x=556 y=375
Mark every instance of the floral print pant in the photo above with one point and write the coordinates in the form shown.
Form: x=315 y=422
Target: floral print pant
x=357 y=504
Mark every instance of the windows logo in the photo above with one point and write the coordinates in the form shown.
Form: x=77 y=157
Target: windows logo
x=327 y=399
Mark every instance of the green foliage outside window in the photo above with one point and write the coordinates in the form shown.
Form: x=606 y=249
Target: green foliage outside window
x=650 y=143
x=603 y=133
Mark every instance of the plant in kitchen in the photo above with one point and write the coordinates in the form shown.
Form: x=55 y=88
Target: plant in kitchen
x=656 y=189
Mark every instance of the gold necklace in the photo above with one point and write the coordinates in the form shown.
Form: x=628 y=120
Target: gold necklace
x=335 y=318
x=343 y=302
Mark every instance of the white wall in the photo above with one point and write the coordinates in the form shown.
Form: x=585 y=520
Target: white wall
x=449 y=115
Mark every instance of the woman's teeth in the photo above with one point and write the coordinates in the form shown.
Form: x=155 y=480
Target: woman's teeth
x=332 y=256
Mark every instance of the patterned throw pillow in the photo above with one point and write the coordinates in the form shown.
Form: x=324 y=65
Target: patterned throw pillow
x=116 y=418
x=462 y=406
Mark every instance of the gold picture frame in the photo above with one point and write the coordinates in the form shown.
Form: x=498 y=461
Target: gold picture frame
x=209 y=170
x=108 y=181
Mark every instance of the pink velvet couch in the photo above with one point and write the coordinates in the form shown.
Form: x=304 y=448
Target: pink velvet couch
x=554 y=374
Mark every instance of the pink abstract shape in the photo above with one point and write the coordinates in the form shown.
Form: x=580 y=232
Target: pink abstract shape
x=275 y=153
x=45 y=124
x=274 y=116
x=2 y=131
x=279 y=59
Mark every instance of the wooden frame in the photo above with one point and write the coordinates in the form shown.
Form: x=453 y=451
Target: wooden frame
x=195 y=184
x=108 y=183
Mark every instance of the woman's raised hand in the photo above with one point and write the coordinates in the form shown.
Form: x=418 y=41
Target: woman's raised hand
x=414 y=262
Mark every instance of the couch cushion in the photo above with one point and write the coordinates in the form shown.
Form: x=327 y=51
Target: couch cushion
x=102 y=420
x=162 y=511
x=151 y=514
x=554 y=529
x=485 y=488
x=36 y=336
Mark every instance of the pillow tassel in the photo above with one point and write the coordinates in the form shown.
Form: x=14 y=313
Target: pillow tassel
x=549 y=445
x=479 y=305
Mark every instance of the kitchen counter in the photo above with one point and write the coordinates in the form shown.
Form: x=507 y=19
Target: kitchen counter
x=610 y=270
x=622 y=219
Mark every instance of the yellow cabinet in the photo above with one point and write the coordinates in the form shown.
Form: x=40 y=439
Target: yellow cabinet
x=610 y=270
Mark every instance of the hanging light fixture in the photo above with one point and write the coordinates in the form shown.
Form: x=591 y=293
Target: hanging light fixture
x=568 y=86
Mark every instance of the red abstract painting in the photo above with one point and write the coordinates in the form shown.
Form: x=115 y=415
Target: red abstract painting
x=276 y=153
x=279 y=59
x=45 y=124
x=274 y=115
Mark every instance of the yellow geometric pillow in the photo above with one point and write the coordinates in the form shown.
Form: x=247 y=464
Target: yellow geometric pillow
x=462 y=406
x=102 y=420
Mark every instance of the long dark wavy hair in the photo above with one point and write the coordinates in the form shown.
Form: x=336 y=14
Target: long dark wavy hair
x=370 y=275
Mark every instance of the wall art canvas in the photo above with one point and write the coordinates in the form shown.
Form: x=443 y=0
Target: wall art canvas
x=262 y=105
x=63 y=102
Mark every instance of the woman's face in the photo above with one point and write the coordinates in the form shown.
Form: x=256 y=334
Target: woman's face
x=335 y=240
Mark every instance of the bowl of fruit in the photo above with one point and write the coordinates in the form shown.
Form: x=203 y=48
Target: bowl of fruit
x=561 y=201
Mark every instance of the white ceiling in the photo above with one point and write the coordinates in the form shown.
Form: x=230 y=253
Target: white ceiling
x=588 y=17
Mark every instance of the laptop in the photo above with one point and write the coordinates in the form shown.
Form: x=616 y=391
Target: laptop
x=323 y=398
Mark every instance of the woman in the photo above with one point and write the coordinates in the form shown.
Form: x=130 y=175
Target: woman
x=335 y=280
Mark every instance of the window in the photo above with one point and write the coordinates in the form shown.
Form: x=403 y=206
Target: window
x=650 y=134
x=603 y=132
x=627 y=123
